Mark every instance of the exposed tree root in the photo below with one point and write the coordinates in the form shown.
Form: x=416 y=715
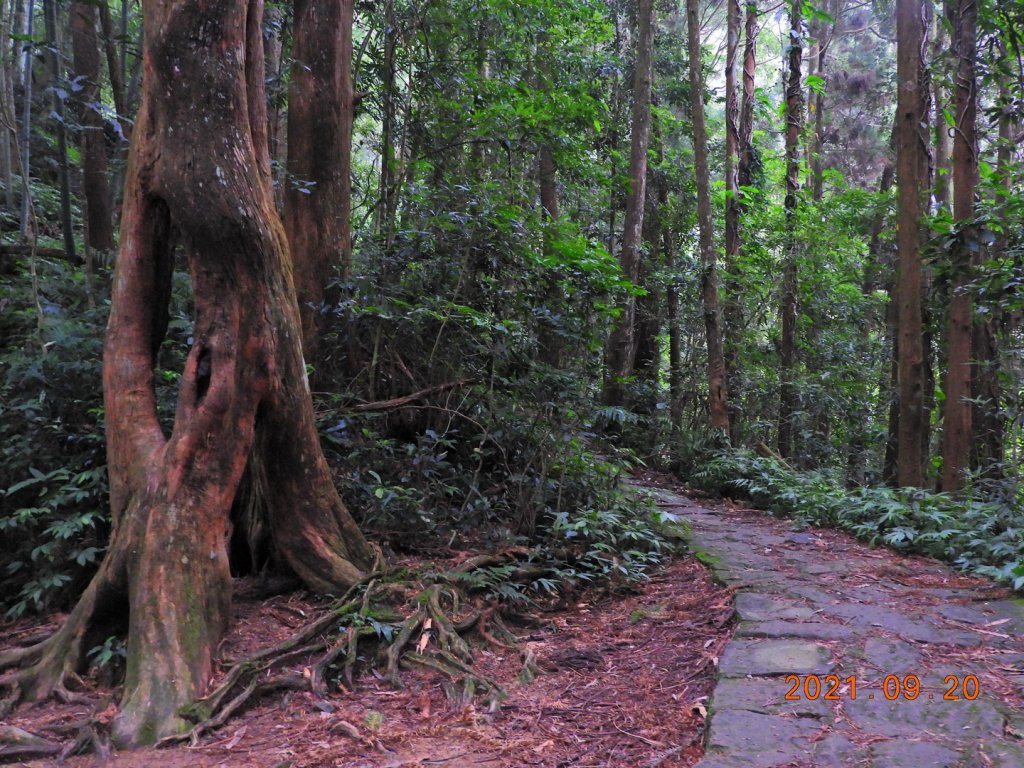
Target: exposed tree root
x=16 y=744
x=384 y=617
x=432 y=636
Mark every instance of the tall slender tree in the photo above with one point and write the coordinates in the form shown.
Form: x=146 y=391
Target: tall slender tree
x=988 y=419
x=731 y=314
x=8 y=130
x=794 y=128
x=60 y=124
x=24 y=221
x=956 y=421
x=317 y=202
x=717 y=395
x=940 y=100
x=99 y=230
x=621 y=346
x=910 y=149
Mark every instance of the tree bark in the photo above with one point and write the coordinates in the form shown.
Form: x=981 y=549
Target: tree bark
x=717 y=397
x=817 y=99
x=987 y=418
x=56 y=74
x=547 y=181
x=732 y=314
x=388 y=192
x=8 y=134
x=941 y=101
x=910 y=149
x=794 y=127
x=24 y=220
x=99 y=229
x=620 y=349
x=956 y=429
x=648 y=306
x=115 y=68
x=317 y=202
x=199 y=167
x=277 y=129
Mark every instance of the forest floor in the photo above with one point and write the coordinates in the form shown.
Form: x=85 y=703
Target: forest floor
x=888 y=661
x=624 y=681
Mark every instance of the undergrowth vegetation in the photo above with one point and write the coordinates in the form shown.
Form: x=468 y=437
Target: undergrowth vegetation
x=501 y=454
x=981 y=531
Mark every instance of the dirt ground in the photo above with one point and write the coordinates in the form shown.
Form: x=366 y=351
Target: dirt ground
x=623 y=682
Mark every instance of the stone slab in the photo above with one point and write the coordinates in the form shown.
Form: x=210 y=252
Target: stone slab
x=766 y=696
x=904 y=753
x=763 y=741
x=803 y=630
x=907 y=626
x=892 y=657
x=958 y=720
x=774 y=657
x=751 y=606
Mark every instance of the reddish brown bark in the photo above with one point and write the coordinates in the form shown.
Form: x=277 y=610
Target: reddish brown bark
x=99 y=229
x=317 y=201
x=910 y=146
x=956 y=421
x=794 y=127
x=621 y=345
x=199 y=167
x=745 y=167
x=717 y=398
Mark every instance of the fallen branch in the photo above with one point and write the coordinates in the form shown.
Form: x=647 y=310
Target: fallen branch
x=765 y=452
x=46 y=253
x=400 y=402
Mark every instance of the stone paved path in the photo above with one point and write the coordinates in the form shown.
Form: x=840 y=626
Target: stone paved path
x=819 y=603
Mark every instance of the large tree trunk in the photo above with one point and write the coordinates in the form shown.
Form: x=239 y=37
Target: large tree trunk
x=794 y=127
x=956 y=420
x=99 y=230
x=199 y=168
x=910 y=147
x=717 y=398
x=621 y=344
x=317 y=202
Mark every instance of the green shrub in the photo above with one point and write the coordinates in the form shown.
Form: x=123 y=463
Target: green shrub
x=53 y=479
x=980 y=532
